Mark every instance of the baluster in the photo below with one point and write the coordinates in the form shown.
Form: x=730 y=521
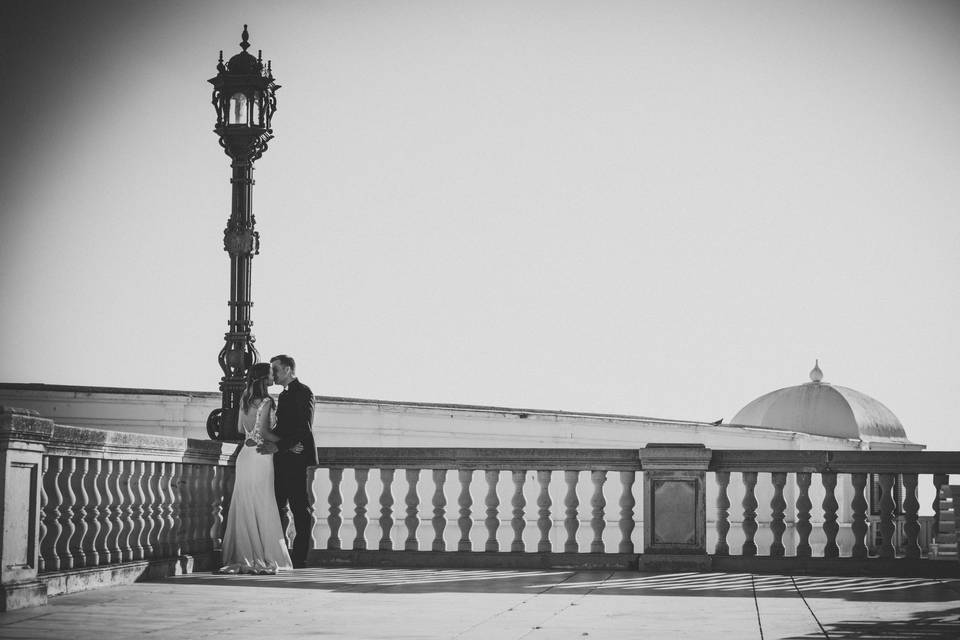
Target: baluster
x=44 y=552
x=110 y=514
x=183 y=512
x=140 y=512
x=464 y=501
x=887 y=525
x=911 y=526
x=166 y=535
x=162 y=530
x=81 y=541
x=203 y=515
x=360 y=509
x=723 y=514
x=439 y=509
x=128 y=525
x=288 y=525
x=96 y=516
x=627 y=503
x=311 y=507
x=386 y=510
x=492 y=521
x=598 y=504
x=70 y=541
x=803 y=515
x=217 y=485
x=939 y=479
x=334 y=500
x=543 y=503
x=749 y=513
x=178 y=534
x=859 y=526
x=148 y=534
x=193 y=521
x=55 y=517
x=777 y=507
x=174 y=510
x=518 y=502
x=412 y=501
x=570 y=522
x=830 y=505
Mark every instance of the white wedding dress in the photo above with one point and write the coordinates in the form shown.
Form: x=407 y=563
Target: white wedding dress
x=253 y=541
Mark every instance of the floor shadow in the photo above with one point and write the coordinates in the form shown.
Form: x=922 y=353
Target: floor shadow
x=921 y=625
x=599 y=582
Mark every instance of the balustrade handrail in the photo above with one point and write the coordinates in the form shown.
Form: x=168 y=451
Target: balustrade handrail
x=479 y=458
x=62 y=440
x=823 y=461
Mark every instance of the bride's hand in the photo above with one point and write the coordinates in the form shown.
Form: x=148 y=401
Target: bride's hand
x=297 y=448
x=267 y=448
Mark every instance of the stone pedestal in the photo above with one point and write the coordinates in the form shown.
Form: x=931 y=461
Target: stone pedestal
x=21 y=459
x=674 y=509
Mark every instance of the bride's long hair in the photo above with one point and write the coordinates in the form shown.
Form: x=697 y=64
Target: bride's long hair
x=256 y=388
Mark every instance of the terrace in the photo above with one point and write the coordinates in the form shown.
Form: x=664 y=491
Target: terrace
x=544 y=542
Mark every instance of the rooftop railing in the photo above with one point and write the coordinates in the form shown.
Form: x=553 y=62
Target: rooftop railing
x=85 y=507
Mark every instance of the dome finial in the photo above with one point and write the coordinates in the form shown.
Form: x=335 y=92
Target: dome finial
x=246 y=36
x=816 y=375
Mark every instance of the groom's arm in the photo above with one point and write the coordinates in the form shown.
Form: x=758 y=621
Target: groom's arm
x=300 y=420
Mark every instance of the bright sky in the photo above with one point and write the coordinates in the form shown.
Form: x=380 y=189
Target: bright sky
x=662 y=209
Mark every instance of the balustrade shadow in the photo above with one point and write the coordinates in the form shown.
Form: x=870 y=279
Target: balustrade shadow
x=920 y=625
x=618 y=583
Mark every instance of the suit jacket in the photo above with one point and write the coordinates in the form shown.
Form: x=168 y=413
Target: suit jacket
x=294 y=422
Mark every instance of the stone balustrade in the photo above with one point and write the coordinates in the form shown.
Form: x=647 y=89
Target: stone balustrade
x=898 y=527
x=558 y=508
x=477 y=507
x=84 y=507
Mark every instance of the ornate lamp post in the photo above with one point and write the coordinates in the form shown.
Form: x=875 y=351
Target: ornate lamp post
x=244 y=97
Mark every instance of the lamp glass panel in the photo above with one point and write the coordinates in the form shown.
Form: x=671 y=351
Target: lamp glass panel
x=237 y=113
x=255 y=108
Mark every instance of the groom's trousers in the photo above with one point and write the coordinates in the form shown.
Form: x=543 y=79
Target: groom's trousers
x=290 y=485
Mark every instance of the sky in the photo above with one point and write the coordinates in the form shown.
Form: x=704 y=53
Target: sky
x=662 y=209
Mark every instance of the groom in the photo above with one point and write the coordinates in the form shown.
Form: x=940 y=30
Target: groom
x=290 y=462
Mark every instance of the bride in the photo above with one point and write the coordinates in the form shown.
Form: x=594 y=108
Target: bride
x=253 y=541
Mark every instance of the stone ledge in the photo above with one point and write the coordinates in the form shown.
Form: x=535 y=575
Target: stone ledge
x=23 y=595
x=74 y=580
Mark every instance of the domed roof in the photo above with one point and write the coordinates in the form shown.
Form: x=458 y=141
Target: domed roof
x=243 y=62
x=823 y=409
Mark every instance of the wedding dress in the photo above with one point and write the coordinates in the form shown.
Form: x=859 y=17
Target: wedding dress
x=253 y=541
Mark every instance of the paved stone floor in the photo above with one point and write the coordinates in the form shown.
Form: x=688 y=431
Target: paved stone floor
x=494 y=605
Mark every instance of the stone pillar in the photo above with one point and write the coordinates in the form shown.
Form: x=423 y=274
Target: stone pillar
x=22 y=438
x=674 y=507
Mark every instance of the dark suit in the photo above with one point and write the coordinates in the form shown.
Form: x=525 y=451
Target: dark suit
x=294 y=419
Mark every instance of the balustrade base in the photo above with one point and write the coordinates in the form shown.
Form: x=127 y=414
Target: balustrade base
x=71 y=581
x=673 y=562
x=472 y=559
x=873 y=567
x=20 y=596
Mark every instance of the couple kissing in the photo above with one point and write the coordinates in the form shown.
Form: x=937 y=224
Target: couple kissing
x=271 y=471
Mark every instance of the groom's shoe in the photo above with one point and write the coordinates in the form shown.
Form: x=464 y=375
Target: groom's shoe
x=299 y=565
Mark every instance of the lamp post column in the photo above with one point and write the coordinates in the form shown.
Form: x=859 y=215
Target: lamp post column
x=242 y=242
x=244 y=99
